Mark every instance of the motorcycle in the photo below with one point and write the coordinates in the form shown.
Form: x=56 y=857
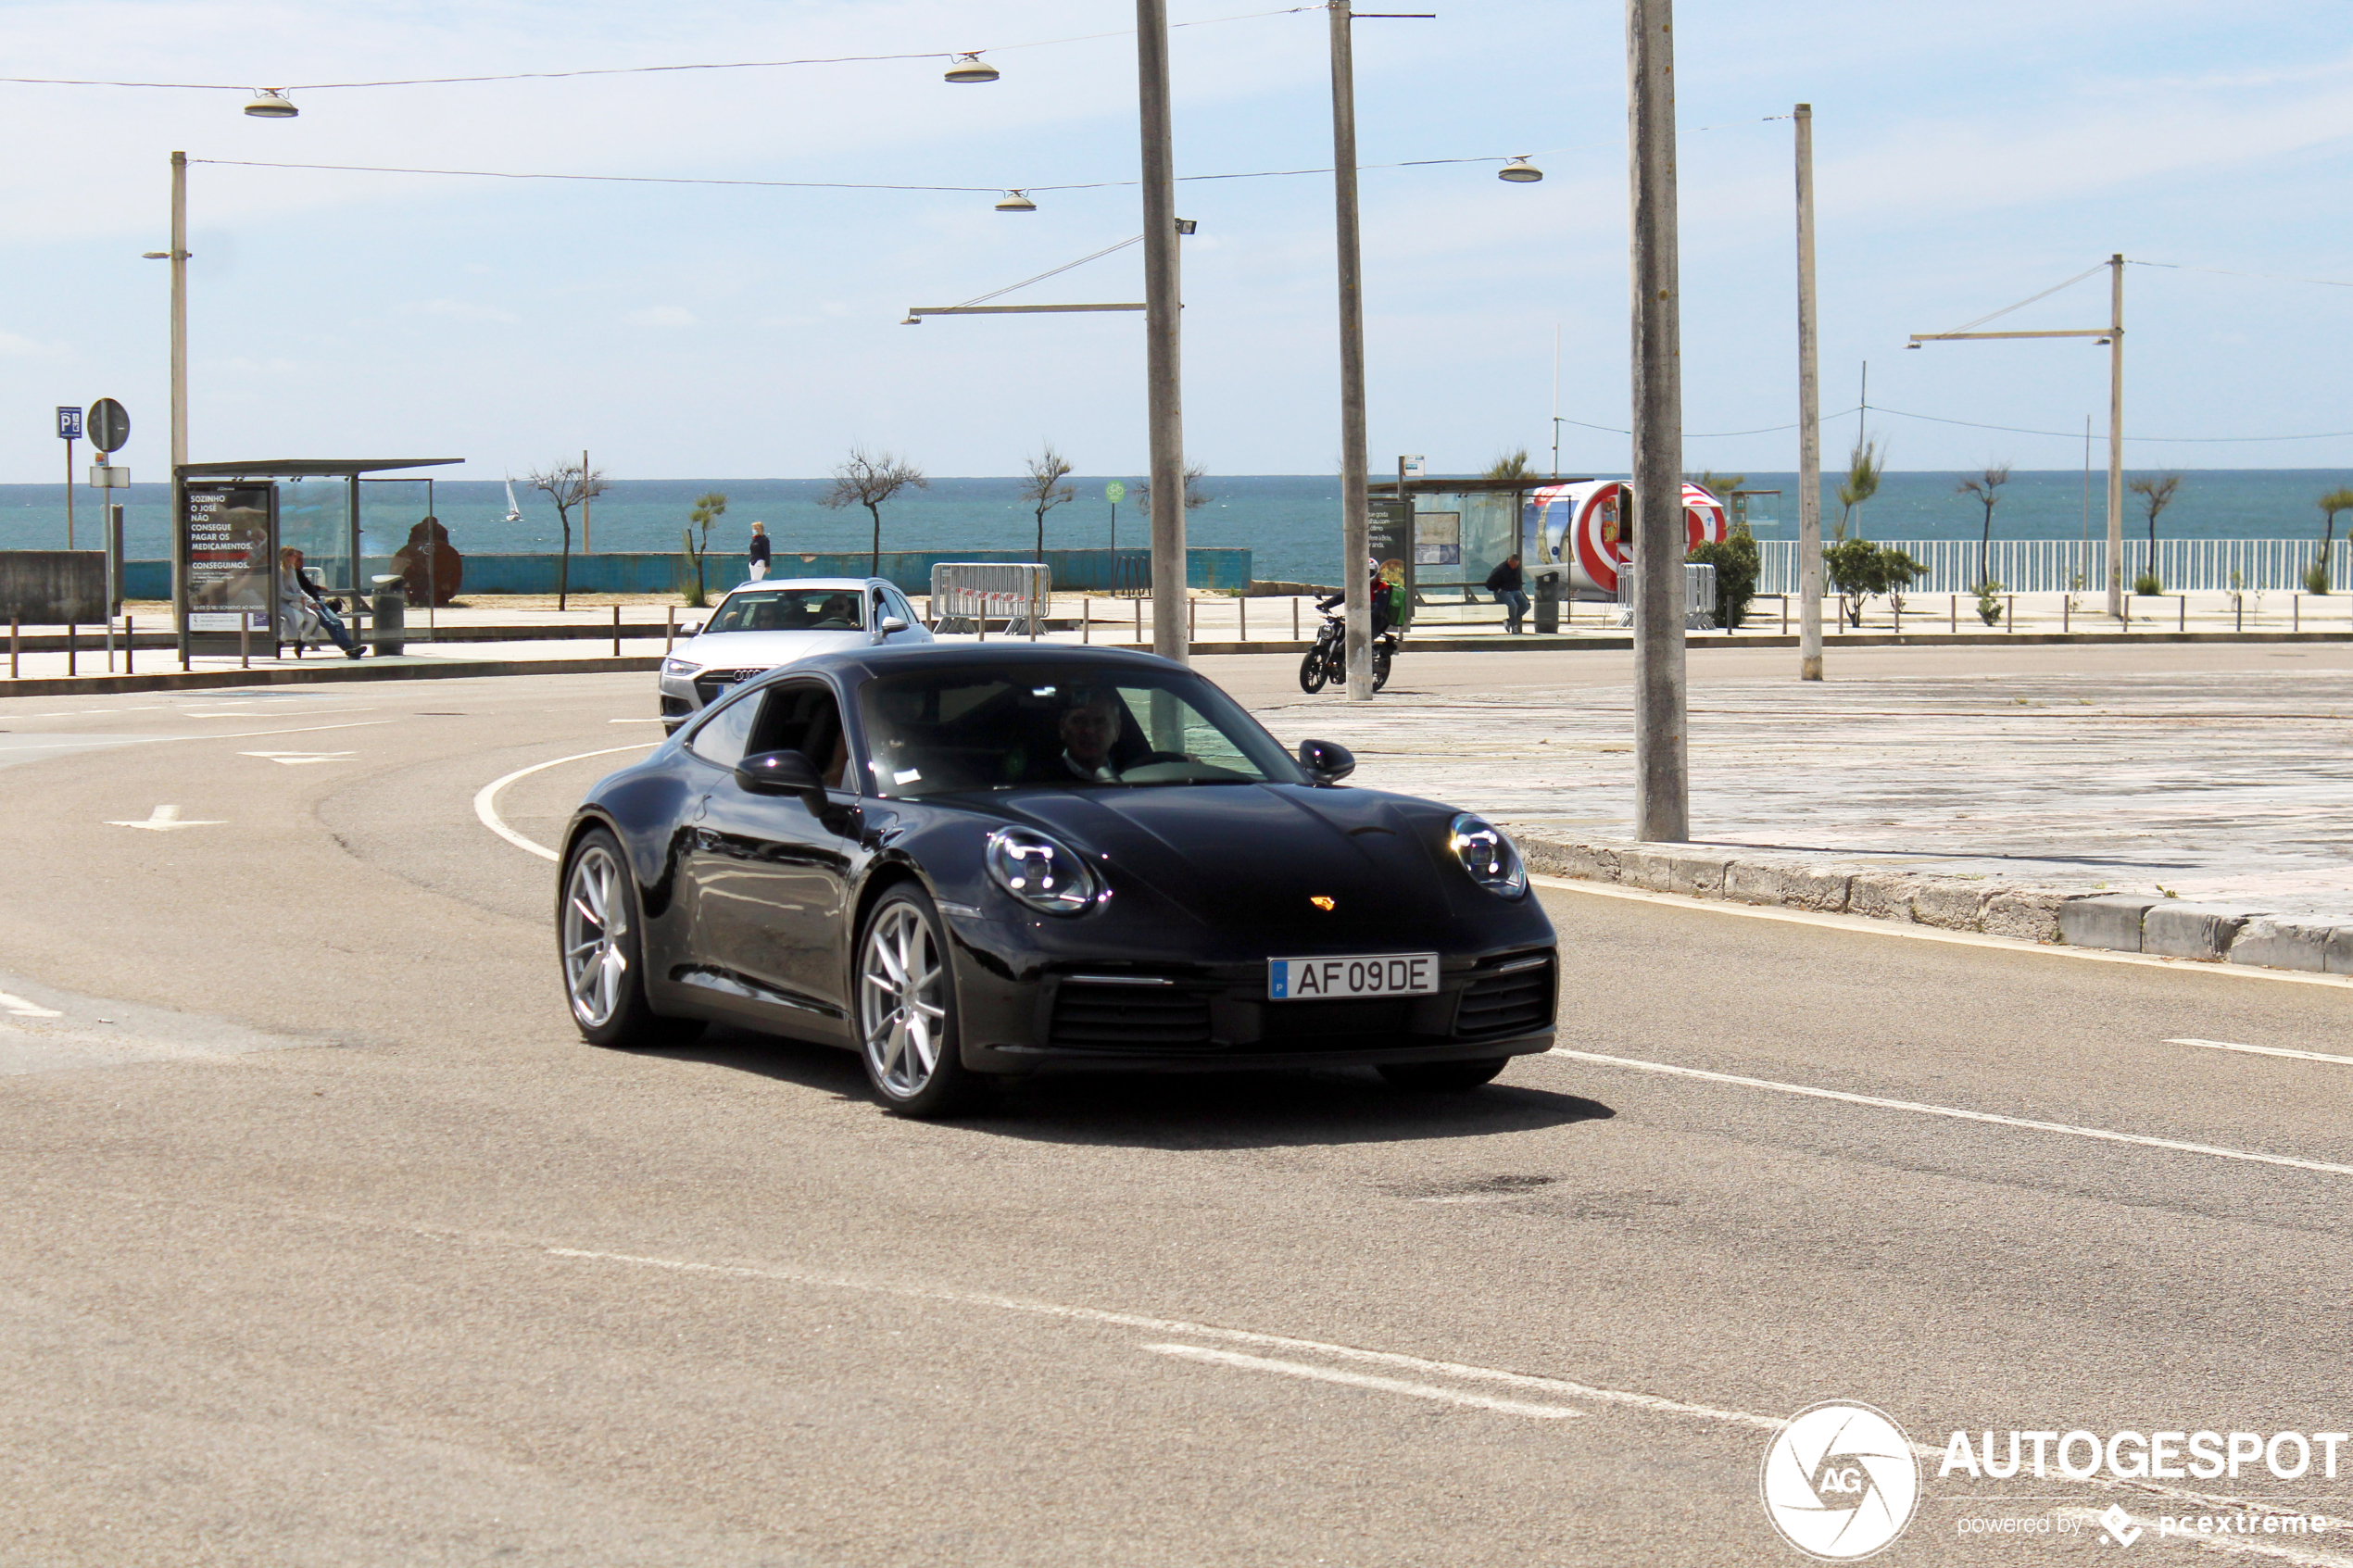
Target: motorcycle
x=1326 y=663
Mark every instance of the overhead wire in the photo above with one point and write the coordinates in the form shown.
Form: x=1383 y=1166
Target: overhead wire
x=636 y=70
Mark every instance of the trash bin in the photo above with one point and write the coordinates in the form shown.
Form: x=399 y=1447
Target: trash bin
x=390 y=607
x=1548 y=599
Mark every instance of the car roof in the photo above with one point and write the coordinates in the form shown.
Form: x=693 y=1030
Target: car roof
x=854 y=664
x=827 y=583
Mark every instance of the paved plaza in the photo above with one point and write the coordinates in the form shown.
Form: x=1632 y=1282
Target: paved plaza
x=2229 y=786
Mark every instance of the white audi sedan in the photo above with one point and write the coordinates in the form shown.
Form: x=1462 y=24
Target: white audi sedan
x=760 y=626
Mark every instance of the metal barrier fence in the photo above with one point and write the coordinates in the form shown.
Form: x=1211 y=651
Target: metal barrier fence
x=2054 y=566
x=1699 y=595
x=967 y=595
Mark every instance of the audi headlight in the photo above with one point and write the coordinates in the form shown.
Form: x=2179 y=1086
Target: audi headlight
x=1490 y=858
x=1047 y=876
x=680 y=667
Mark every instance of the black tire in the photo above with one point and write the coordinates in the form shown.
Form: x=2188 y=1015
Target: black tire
x=1382 y=658
x=1443 y=1077
x=598 y=950
x=904 y=1005
x=1311 y=670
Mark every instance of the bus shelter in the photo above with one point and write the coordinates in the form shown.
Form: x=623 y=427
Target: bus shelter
x=230 y=520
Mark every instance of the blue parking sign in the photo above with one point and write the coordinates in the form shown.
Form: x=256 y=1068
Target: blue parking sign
x=69 y=424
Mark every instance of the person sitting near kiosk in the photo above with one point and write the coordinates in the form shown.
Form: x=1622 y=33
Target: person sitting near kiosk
x=303 y=613
x=1507 y=582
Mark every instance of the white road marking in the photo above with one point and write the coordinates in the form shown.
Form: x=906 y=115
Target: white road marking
x=654 y=721
x=301 y=759
x=164 y=819
x=487 y=798
x=1930 y=933
x=22 y=1008
x=2266 y=1050
x=2141 y=1490
x=1363 y=1380
x=2100 y=1134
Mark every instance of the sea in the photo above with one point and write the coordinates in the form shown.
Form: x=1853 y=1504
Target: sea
x=1291 y=522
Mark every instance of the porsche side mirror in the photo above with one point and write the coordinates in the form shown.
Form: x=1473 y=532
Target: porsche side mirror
x=1327 y=761
x=686 y=631
x=781 y=772
x=889 y=624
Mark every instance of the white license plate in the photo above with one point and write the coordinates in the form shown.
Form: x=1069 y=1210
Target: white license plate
x=1377 y=974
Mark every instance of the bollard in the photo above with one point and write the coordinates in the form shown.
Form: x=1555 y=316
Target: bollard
x=12 y=647
x=2296 y=612
x=2067 y=609
x=1086 y=620
x=244 y=641
x=1241 y=608
x=2009 y=614
x=129 y=641
x=2238 y=616
x=2181 y=622
x=1294 y=618
x=1192 y=621
x=1952 y=616
x=1139 y=621
x=70 y=667
x=669 y=627
x=616 y=631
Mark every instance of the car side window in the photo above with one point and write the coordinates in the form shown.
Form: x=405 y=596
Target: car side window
x=899 y=606
x=721 y=738
x=802 y=716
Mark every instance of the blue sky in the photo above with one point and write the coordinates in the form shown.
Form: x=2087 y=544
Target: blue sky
x=1968 y=156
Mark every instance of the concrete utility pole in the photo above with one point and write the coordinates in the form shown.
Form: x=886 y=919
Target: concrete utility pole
x=180 y=389
x=1355 y=525
x=1809 y=419
x=2116 y=438
x=1662 y=781
x=1162 y=365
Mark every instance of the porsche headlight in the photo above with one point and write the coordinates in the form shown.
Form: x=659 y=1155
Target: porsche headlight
x=1047 y=876
x=1490 y=858
x=681 y=667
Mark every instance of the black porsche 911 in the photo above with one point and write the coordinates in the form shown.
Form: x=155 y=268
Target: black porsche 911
x=966 y=862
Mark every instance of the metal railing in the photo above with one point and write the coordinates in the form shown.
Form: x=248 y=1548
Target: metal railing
x=967 y=595
x=1699 y=596
x=2056 y=566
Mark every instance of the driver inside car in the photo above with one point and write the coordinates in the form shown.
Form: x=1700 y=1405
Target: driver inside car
x=1089 y=727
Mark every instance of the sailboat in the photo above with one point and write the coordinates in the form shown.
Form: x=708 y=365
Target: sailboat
x=514 y=512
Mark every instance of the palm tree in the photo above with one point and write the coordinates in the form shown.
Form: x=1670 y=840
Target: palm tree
x=2336 y=501
x=1864 y=466
x=1511 y=464
x=2155 y=495
x=708 y=507
x=1986 y=487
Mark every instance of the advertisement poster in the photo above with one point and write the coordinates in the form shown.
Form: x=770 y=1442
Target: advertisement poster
x=232 y=532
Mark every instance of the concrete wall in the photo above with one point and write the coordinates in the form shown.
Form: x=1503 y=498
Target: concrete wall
x=51 y=587
x=1077 y=571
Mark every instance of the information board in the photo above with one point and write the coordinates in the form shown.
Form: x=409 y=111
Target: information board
x=230 y=539
x=1438 y=538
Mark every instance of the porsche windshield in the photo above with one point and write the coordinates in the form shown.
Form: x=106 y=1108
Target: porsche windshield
x=790 y=609
x=939 y=732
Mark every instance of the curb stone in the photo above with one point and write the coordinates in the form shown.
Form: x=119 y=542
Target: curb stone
x=2129 y=923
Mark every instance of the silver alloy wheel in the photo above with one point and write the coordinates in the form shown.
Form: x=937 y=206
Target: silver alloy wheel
x=903 y=1010
x=595 y=921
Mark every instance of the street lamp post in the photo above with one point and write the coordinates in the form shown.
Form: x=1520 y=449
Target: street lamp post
x=1809 y=419
x=2113 y=336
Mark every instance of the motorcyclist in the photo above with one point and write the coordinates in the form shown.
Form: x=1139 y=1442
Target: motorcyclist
x=1381 y=599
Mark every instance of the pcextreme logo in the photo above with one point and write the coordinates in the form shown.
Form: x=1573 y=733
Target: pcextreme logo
x=1840 y=1481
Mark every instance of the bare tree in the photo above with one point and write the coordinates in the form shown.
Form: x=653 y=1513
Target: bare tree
x=1986 y=488
x=567 y=485
x=868 y=480
x=1864 y=466
x=1195 y=496
x=1046 y=490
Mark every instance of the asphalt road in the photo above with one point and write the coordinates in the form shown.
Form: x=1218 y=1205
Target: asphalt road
x=329 y=1243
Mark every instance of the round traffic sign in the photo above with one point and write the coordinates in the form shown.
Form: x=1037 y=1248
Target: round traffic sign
x=107 y=425
x=1114 y=492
